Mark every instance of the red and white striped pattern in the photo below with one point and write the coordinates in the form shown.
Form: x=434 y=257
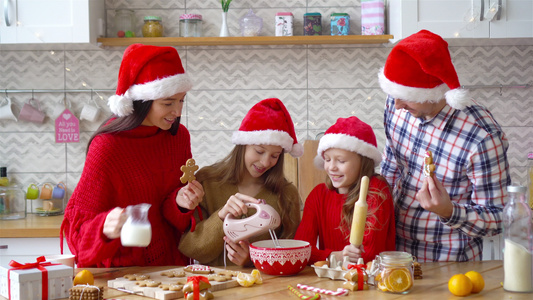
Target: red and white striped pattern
x=338 y=292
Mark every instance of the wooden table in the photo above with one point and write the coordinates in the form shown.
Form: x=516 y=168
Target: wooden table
x=433 y=286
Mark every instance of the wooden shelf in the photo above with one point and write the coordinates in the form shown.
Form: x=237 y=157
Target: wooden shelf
x=256 y=40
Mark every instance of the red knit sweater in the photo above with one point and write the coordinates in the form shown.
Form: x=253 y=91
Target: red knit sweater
x=322 y=217
x=137 y=166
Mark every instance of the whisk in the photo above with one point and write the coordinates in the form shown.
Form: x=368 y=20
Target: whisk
x=274 y=238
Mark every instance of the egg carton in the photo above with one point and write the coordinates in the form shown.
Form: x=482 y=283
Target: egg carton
x=336 y=273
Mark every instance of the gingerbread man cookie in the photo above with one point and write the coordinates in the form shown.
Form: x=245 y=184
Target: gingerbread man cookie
x=133 y=277
x=174 y=273
x=228 y=273
x=148 y=283
x=219 y=278
x=203 y=295
x=188 y=171
x=171 y=287
x=198 y=269
x=429 y=167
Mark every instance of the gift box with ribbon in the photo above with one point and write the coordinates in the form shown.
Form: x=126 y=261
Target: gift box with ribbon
x=37 y=280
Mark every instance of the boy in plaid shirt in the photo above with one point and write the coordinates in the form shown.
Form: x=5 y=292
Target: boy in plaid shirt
x=442 y=217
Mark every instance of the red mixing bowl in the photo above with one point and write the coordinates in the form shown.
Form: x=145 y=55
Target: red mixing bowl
x=289 y=259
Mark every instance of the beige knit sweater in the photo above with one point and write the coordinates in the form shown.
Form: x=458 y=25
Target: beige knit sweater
x=206 y=243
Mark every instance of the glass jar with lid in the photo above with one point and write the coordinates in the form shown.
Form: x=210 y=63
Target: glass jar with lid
x=393 y=272
x=251 y=24
x=190 y=25
x=124 y=24
x=153 y=26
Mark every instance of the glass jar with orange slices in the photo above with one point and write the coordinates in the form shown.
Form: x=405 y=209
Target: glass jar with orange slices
x=394 y=272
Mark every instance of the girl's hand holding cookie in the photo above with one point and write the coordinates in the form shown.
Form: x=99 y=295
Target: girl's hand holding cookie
x=190 y=196
x=236 y=206
x=113 y=223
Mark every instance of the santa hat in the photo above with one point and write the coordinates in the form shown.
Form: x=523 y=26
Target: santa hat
x=268 y=123
x=148 y=73
x=349 y=134
x=419 y=69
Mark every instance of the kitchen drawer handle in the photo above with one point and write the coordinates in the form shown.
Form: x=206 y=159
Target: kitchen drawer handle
x=499 y=13
x=481 y=10
x=3 y=246
x=6 y=13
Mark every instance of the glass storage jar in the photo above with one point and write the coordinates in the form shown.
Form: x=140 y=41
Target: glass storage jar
x=251 y=24
x=12 y=203
x=124 y=25
x=394 y=272
x=190 y=25
x=153 y=26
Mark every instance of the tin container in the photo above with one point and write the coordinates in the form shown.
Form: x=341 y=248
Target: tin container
x=191 y=25
x=312 y=24
x=284 y=23
x=340 y=24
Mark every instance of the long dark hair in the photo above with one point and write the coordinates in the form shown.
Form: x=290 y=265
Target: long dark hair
x=231 y=169
x=115 y=124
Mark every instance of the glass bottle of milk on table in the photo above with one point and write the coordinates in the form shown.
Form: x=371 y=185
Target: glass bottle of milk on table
x=137 y=231
x=518 y=245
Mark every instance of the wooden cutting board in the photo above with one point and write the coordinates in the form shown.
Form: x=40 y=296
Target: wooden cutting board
x=159 y=293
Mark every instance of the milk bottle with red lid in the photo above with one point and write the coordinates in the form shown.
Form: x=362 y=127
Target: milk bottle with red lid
x=518 y=245
x=137 y=231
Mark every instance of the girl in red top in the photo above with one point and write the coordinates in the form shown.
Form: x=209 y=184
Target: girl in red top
x=348 y=151
x=135 y=157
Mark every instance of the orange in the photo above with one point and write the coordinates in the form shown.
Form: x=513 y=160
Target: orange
x=257 y=276
x=84 y=277
x=399 y=280
x=460 y=285
x=245 y=279
x=478 y=283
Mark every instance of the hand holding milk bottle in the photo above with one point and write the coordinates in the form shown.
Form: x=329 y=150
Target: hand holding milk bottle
x=137 y=231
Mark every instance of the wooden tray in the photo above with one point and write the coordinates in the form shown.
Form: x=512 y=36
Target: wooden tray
x=158 y=293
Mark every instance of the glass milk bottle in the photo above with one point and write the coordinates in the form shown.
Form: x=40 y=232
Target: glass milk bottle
x=137 y=231
x=518 y=245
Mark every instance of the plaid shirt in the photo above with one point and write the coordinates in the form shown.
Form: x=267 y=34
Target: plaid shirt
x=470 y=155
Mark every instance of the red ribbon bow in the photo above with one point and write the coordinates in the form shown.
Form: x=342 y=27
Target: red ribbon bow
x=39 y=264
x=360 y=275
x=196 y=285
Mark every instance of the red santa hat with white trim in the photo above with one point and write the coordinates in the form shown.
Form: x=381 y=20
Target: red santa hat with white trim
x=419 y=69
x=148 y=73
x=350 y=134
x=268 y=123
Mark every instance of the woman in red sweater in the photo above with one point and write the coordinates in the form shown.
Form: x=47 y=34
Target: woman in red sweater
x=348 y=151
x=135 y=157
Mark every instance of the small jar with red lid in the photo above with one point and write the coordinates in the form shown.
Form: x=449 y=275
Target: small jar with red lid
x=190 y=25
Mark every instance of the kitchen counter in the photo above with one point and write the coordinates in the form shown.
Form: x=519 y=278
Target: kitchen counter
x=433 y=286
x=32 y=226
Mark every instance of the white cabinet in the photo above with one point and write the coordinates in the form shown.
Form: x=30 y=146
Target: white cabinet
x=51 y=21
x=462 y=18
x=25 y=250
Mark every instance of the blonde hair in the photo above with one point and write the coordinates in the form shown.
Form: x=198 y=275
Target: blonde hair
x=231 y=169
x=366 y=169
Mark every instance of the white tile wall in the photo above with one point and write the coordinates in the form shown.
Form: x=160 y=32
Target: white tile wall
x=318 y=84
